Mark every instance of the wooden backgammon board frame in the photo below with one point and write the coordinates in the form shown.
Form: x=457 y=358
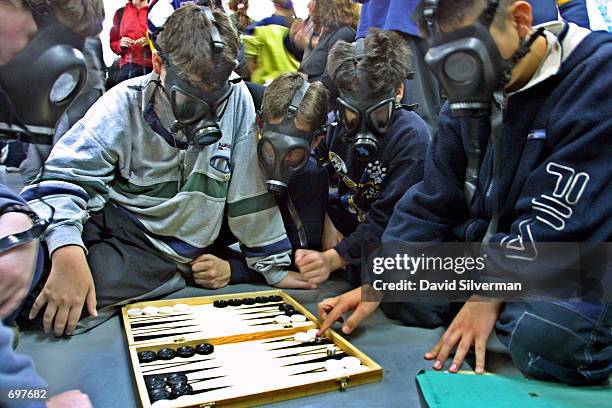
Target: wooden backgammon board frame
x=372 y=372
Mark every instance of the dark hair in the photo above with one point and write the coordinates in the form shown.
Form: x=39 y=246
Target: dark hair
x=450 y=14
x=84 y=17
x=332 y=14
x=186 y=42
x=278 y=96
x=241 y=13
x=215 y=5
x=386 y=61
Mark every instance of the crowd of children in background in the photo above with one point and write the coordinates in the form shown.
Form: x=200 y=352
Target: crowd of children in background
x=215 y=130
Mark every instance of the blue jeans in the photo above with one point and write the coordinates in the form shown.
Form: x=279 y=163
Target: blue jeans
x=559 y=341
x=553 y=341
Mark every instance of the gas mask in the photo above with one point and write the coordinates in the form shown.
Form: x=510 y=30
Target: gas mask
x=468 y=63
x=196 y=112
x=284 y=149
x=365 y=114
x=40 y=82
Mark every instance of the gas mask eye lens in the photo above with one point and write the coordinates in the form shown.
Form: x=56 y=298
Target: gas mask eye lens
x=461 y=67
x=295 y=158
x=350 y=119
x=65 y=85
x=381 y=117
x=268 y=153
x=188 y=109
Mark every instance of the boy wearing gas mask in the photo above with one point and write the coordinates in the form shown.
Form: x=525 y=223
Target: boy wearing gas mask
x=141 y=184
x=35 y=34
x=376 y=150
x=291 y=122
x=534 y=173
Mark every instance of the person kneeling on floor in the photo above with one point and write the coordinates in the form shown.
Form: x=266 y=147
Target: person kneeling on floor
x=141 y=184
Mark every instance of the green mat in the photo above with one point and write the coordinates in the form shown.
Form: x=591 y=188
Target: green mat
x=442 y=390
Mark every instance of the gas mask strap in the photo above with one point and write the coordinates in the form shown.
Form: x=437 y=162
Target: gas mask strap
x=488 y=14
x=18 y=131
x=216 y=43
x=523 y=50
x=40 y=12
x=296 y=101
x=297 y=221
x=429 y=13
x=358 y=50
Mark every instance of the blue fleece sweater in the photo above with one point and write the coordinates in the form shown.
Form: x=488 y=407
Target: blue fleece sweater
x=368 y=191
x=555 y=183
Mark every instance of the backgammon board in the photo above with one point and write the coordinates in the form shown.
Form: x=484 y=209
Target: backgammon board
x=236 y=350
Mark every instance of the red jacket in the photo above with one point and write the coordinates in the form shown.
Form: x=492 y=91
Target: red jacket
x=133 y=25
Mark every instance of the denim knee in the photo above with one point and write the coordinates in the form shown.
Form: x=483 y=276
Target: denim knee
x=559 y=341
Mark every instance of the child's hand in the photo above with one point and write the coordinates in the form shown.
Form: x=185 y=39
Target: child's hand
x=211 y=272
x=294 y=281
x=472 y=326
x=126 y=42
x=316 y=266
x=70 y=399
x=331 y=236
x=69 y=287
x=142 y=41
x=332 y=309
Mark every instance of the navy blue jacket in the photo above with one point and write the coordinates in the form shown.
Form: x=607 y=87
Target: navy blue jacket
x=7 y=197
x=368 y=191
x=555 y=183
x=308 y=189
x=16 y=371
